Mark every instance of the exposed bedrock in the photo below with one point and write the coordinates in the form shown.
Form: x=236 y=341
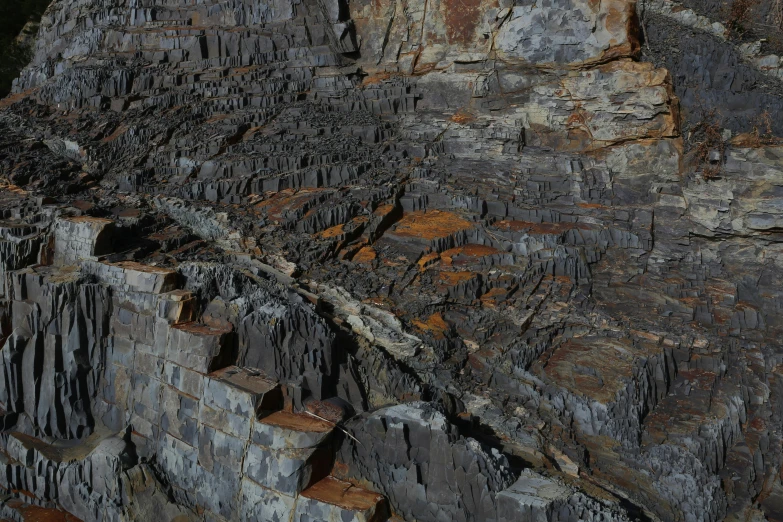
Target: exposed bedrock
x=329 y=260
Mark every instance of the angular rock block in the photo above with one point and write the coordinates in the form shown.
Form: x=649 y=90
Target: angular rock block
x=79 y=476
x=532 y=498
x=128 y=324
x=218 y=491
x=334 y=500
x=233 y=397
x=198 y=347
x=144 y=278
x=288 y=471
x=285 y=430
x=130 y=276
x=493 y=181
x=177 y=306
x=242 y=391
x=79 y=238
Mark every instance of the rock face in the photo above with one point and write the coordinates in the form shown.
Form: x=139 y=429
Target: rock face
x=422 y=260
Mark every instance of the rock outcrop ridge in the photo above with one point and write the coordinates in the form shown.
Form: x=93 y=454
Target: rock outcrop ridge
x=321 y=260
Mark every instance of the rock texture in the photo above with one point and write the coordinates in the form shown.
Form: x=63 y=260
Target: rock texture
x=330 y=260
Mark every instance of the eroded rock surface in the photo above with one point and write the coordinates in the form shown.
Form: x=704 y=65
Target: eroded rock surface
x=328 y=260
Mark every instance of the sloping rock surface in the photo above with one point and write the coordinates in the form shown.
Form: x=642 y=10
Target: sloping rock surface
x=422 y=260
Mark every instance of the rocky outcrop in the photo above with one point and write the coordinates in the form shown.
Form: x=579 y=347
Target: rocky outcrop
x=318 y=260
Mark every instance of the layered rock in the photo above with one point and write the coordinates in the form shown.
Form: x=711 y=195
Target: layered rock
x=319 y=260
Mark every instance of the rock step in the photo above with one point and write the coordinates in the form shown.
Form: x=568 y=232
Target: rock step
x=25 y=448
x=289 y=452
x=282 y=430
x=335 y=499
x=15 y=510
x=262 y=393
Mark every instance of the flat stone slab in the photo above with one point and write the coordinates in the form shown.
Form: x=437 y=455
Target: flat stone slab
x=284 y=430
x=60 y=450
x=332 y=499
x=30 y=513
x=243 y=389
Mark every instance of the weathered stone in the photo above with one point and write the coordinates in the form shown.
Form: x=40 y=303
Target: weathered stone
x=333 y=499
x=469 y=254
x=80 y=238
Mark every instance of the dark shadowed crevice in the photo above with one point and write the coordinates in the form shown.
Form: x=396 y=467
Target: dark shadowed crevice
x=18 y=25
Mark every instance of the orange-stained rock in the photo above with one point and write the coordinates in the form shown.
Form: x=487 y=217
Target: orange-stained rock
x=431 y=225
x=454 y=278
x=344 y=494
x=434 y=325
x=595 y=367
x=365 y=256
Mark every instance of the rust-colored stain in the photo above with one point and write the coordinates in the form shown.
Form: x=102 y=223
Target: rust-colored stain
x=698 y=378
x=434 y=325
x=463 y=117
x=289 y=200
x=200 y=329
x=590 y=205
x=462 y=18
x=129 y=213
x=186 y=247
x=431 y=225
x=344 y=494
x=616 y=21
x=376 y=79
x=494 y=296
x=580 y=119
x=39 y=514
x=596 y=367
x=88 y=219
x=334 y=232
x=540 y=228
x=471 y=250
x=428 y=260
x=340 y=469
x=138 y=267
x=217 y=117
x=621 y=20
x=455 y=278
x=119 y=131
x=751 y=140
x=383 y=210
x=680 y=415
x=297 y=422
x=12 y=188
x=245 y=380
x=166 y=234
x=16 y=97
x=366 y=255
x=757 y=424
x=242 y=70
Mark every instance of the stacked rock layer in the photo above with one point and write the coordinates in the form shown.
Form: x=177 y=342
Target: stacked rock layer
x=359 y=260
